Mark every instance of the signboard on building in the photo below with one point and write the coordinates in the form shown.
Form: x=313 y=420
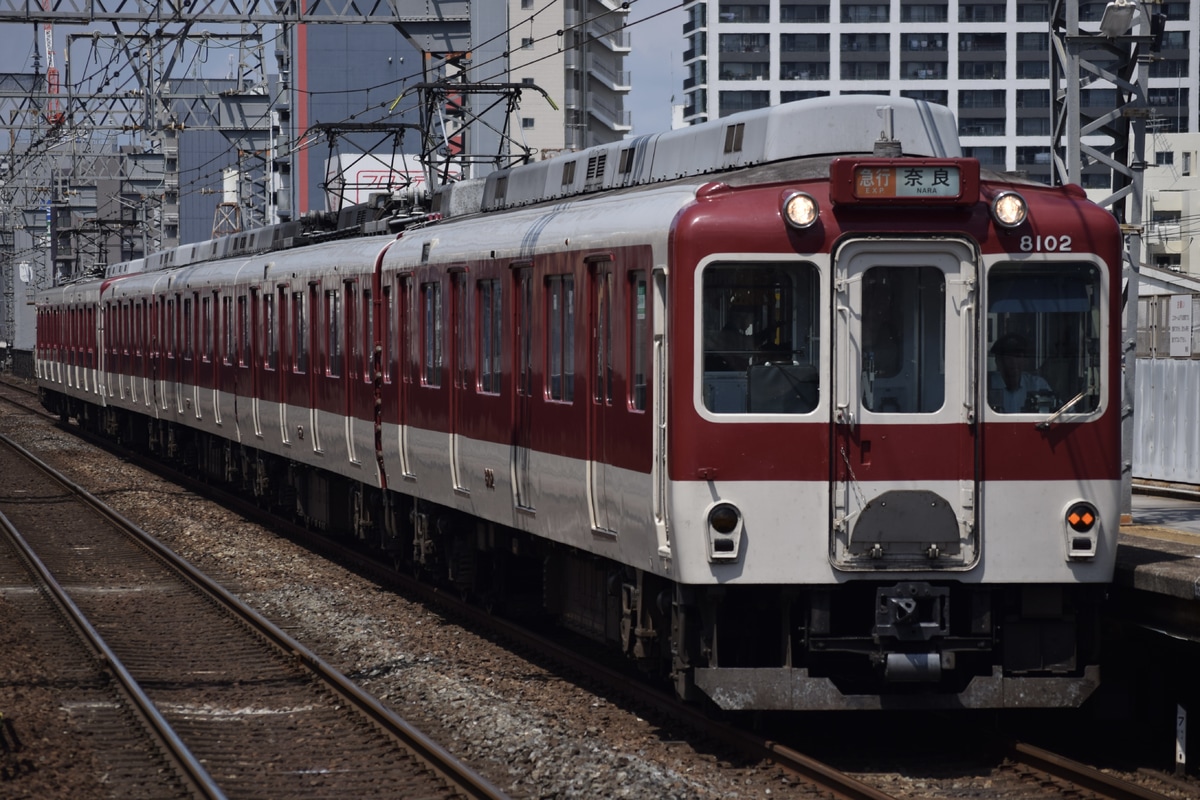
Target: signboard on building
x=1180 y=321
x=352 y=178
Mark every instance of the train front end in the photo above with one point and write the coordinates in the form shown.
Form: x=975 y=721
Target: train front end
x=893 y=437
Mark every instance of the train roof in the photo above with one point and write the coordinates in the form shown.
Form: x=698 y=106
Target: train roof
x=826 y=126
x=818 y=127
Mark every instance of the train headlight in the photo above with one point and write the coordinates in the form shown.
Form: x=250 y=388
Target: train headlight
x=800 y=210
x=1082 y=520
x=1009 y=209
x=724 y=532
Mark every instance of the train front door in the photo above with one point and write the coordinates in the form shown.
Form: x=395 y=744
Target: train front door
x=905 y=390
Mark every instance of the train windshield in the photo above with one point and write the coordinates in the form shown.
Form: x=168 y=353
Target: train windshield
x=1043 y=338
x=759 y=338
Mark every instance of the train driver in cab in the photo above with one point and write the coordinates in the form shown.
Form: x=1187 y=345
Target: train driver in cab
x=1012 y=388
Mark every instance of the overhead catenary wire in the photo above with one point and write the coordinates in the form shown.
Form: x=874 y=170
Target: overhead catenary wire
x=110 y=70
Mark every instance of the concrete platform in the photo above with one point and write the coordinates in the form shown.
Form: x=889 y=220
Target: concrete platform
x=1157 y=582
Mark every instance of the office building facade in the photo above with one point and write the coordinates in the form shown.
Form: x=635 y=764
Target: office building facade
x=576 y=55
x=989 y=60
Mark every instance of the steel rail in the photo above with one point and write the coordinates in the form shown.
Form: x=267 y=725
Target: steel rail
x=467 y=780
x=200 y=781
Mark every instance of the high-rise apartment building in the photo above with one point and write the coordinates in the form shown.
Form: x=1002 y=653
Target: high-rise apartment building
x=577 y=56
x=989 y=60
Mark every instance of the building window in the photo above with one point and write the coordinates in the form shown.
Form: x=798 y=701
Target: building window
x=1033 y=42
x=864 y=13
x=803 y=13
x=1033 y=12
x=939 y=96
x=744 y=43
x=984 y=13
x=526 y=122
x=526 y=43
x=1032 y=156
x=730 y=12
x=809 y=42
x=981 y=70
x=935 y=43
x=924 y=70
x=864 y=71
x=976 y=126
x=1033 y=126
x=859 y=42
x=985 y=98
x=804 y=71
x=733 y=102
x=1033 y=69
x=981 y=42
x=1164 y=159
x=742 y=71
x=987 y=156
x=923 y=13
x=788 y=97
x=1033 y=98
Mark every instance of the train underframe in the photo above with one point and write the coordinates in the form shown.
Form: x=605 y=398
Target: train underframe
x=860 y=645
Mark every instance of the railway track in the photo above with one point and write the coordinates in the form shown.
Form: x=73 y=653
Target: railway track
x=234 y=705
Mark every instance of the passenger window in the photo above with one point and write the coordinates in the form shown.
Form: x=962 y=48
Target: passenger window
x=243 y=332
x=431 y=340
x=560 y=299
x=903 y=340
x=272 y=331
x=1043 y=338
x=490 y=332
x=333 y=325
x=639 y=337
x=759 y=322
x=300 y=309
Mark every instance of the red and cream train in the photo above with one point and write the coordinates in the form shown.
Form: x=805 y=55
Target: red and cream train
x=797 y=407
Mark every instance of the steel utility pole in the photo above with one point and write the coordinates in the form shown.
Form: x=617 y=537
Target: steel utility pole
x=1118 y=53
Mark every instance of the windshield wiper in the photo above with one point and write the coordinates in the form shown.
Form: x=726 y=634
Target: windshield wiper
x=1050 y=419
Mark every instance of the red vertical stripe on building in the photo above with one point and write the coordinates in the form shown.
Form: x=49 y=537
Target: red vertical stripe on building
x=300 y=70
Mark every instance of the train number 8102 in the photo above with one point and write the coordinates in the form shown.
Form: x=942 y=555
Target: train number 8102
x=1046 y=244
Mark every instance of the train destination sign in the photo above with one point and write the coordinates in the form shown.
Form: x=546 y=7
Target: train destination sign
x=903 y=181
x=936 y=181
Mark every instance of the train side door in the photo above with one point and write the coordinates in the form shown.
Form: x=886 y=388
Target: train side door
x=522 y=389
x=599 y=372
x=904 y=439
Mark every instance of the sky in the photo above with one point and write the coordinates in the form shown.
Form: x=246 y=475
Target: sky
x=656 y=63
